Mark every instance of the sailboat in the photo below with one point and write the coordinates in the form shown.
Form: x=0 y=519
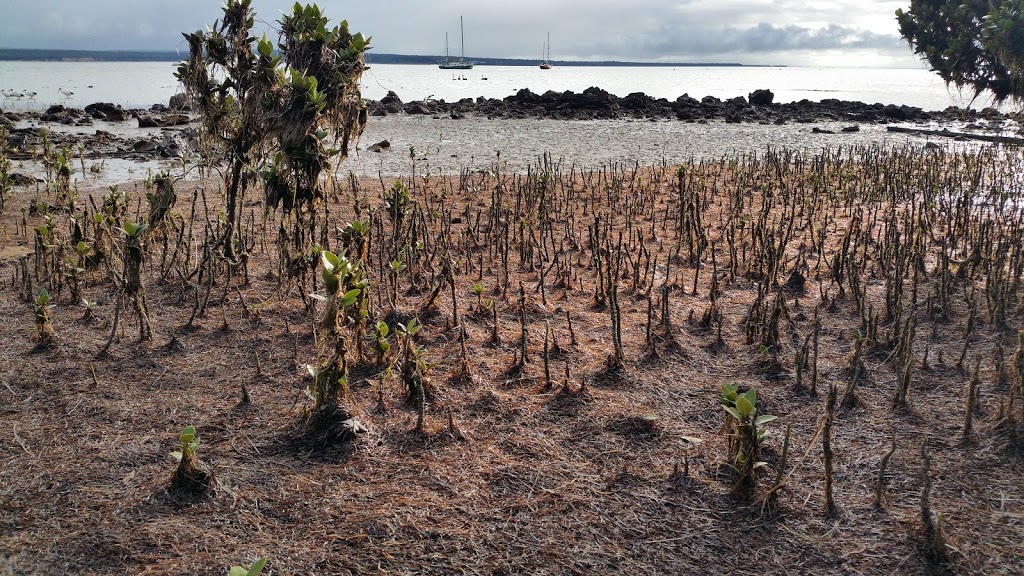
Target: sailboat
x=461 y=63
x=546 y=53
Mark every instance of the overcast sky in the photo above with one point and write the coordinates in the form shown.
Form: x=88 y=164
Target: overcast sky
x=791 y=32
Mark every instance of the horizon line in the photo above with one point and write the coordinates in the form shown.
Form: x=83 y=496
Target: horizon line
x=83 y=55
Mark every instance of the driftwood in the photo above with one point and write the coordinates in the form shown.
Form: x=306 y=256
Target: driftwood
x=966 y=135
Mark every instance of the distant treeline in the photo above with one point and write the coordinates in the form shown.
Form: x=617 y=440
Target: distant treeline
x=371 y=58
x=89 y=55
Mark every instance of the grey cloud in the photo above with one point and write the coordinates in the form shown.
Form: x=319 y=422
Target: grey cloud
x=764 y=38
x=678 y=30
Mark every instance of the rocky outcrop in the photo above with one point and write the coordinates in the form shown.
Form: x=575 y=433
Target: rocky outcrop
x=164 y=121
x=761 y=97
x=180 y=102
x=107 y=111
x=758 y=106
x=69 y=116
x=419 y=107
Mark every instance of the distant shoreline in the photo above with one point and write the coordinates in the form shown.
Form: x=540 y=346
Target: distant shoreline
x=32 y=55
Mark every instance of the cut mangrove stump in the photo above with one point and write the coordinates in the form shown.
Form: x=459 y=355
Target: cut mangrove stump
x=192 y=478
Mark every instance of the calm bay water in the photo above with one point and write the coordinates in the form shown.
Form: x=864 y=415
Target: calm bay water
x=444 y=145
x=141 y=84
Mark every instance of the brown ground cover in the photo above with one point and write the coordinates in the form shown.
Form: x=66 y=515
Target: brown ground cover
x=609 y=452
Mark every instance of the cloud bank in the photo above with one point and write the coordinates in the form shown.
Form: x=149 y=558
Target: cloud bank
x=794 y=32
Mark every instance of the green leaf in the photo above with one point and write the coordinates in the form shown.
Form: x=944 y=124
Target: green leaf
x=238 y=571
x=733 y=412
x=265 y=47
x=330 y=279
x=350 y=298
x=382 y=328
x=751 y=396
x=257 y=567
x=413 y=327
x=744 y=407
x=764 y=419
x=330 y=260
x=176 y=455
x=729 y=392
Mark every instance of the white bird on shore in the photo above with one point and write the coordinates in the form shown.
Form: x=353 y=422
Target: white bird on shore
x=66 y=93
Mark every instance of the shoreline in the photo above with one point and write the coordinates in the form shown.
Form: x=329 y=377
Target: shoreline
x=586 y=129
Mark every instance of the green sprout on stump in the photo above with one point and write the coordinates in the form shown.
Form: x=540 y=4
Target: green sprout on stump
x=383 y=346
x=414 y=370
x=346 y=291
x=191 y=477
x=331 y=378
x=44 y=328
x=746 y=433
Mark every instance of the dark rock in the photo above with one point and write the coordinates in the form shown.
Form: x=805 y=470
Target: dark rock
x=418 y=107
x=637 y=101
x=381 y=146
x=817 y=130
x=145 y=145
x=761 y=97
x=902 y=113
x=163 y=121
x=848 y=129
x=107 y=111
x=56 y=109
x=180 y=102
x=379 y=111
x=524 y=96
x=391 y=98
x=739 y=102
x=687 y=100
x=22 y=180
